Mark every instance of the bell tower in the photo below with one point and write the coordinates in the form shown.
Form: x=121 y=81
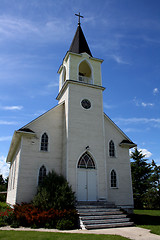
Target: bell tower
x=80 y=90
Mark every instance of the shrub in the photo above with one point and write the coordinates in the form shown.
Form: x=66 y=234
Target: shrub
x=54 y=205
x=54 y=192
x=6 y=214
x=64 y=224
x=28 y=215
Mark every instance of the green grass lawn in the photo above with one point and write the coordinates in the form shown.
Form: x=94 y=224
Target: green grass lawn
x=149 y=219
x=17 y=235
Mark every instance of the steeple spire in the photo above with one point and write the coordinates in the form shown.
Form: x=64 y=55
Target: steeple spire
x=79 y=43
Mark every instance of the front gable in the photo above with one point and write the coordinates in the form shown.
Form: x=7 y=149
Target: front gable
x=51 y=122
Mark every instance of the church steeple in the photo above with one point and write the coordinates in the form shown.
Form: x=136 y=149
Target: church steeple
x=79 y=43
x=79 y=66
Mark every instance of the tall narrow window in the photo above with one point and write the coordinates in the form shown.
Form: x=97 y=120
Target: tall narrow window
x=111 y=149
x=113 y=179
x=44 y=142
x=86 y=161
x=42 y=174
x=64 y=74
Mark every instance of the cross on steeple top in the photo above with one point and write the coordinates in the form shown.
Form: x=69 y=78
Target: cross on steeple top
x=79 y=16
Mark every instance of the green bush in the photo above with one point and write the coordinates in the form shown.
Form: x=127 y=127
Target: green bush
x=64 y=224
x=6 y=214
x=53 y=206
x=54 y=192
x=3 y=206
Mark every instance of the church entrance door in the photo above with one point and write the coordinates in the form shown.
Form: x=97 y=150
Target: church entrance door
x=87 y=179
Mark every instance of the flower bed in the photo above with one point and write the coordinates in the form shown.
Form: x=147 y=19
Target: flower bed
x=27 y=215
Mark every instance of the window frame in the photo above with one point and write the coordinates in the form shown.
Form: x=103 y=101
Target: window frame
x=111 y=148
x=46 y=142
x=86 y=166
x=115 y=176
x=42 y=166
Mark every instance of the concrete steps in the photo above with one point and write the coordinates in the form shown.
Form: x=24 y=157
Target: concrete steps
x=97 y=216
x=109 y=225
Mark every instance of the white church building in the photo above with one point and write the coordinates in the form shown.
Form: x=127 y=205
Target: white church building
x=75 y=138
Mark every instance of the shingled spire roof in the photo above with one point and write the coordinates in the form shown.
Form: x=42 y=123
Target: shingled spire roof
x=79 y=43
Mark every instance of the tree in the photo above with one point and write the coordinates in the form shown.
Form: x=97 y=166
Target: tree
x=3 y=188
x=54 y=192
x=2 y=181
x=152 y=195
x=141 y=173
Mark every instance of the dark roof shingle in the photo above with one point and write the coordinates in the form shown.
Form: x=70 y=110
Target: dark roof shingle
x=79 y=43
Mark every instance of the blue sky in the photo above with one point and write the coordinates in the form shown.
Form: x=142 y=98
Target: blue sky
x=35 y=36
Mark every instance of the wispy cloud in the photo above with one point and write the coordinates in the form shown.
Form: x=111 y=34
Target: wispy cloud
x=128 y=130
x=12 y=107
x=107 y=106
x=150 y=40
x=2 y=122
x=139 y=103
x=155 y=91
x=53 y=84
x=10 y=27
x=143 y=104
x=6 y=138
x=4 y=167
x=137 y=120
x=119 y=59
x=20 y=28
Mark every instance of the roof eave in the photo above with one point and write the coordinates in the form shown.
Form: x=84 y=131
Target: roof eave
x=15 y=142
x=128 y=145
x=78 y=83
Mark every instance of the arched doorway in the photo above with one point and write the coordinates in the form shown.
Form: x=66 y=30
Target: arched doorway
x=86 y=179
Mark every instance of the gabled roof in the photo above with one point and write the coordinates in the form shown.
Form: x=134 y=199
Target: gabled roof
x=16 y=140
x=127 y=141
x=25 y=131
x=79 y=43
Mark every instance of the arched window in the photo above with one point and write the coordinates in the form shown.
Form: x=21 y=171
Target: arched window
x=113 y=179
x=64 y=74
x=86 y=161
x=44 y=142
x=85 y=73
x=111 y=149
x=42 y=174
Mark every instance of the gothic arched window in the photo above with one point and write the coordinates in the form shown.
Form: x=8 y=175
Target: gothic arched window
x=86 y=161
x=113 y=179
x=42 y=174
x=111 y=149
x=44 y=142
